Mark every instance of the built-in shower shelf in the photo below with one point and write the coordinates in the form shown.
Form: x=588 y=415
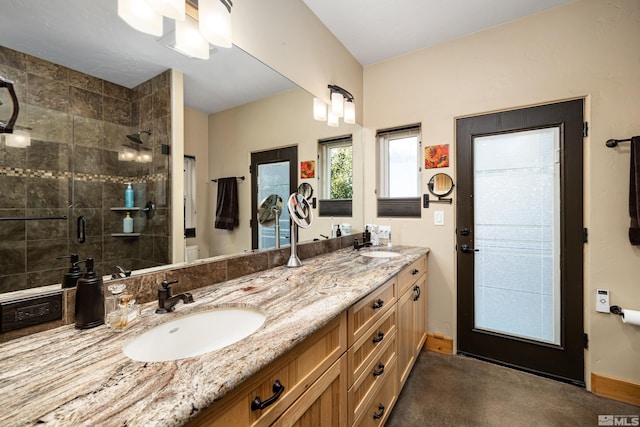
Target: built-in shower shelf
x=126 y=209
x=125 y=234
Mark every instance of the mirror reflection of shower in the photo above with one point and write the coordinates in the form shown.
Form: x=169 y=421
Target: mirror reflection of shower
x=136 y=152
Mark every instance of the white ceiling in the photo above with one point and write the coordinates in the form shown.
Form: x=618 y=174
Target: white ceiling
x=88 y=36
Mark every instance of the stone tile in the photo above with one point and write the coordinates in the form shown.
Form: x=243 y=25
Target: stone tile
x=41 y=254
x=161 y=103
x=12 y=156
x=13 y=258
x=14 y=190
x=14 y=282
x=116 y=91
x=47 y=193
x=135 y=113
x=161 y=250
x=161 y=81
x=115 y=135
x=13 y=58
x=12 y=231
x=278 y=257
x=117 y=111
x=118 y=250
x=19 y=79
x=243 y=265
x=87 y=195
x=89 y=160
x=85 y=81
x=49 y=228
x=146 y=109
x=47 y=93
x=49 y=125
x=142 y=90
x=85 y=103
x=88 y=132
x=91 y=248
x=45 y=277
x=93 y=223
x=49 y=70
x=48 y=156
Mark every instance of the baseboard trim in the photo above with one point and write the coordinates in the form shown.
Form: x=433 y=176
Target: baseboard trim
x=439 y=343
x=616 y=389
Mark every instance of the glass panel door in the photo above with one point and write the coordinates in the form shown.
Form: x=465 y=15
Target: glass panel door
x=517 y=238
x=273 y=178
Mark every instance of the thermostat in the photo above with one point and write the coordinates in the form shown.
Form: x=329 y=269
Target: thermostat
x=602 y=300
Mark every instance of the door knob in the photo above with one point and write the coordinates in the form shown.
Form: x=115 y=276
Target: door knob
x=468 y=249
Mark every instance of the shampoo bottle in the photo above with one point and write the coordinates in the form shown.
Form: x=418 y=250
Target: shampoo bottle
x=89 y=310
x=127 y=224
x=128 y=196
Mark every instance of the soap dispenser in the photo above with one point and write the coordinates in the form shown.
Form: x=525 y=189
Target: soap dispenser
x=127 y=224
x=70 y=278
x=89 y=310
x=128 y=196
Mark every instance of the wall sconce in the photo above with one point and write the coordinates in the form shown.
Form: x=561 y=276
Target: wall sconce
x=17 y=139
x=341 y=106
x=198 y=23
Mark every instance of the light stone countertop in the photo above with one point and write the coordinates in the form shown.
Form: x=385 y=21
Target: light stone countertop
x=70 y=377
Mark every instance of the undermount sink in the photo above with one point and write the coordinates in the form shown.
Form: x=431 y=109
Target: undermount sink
x=380 y=254
x=195 y=334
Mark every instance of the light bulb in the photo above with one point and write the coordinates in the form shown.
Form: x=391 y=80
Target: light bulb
x=189 y=40
x=349 y=112
x=215 y=22
x=319 y=110
x=333 y=120
x=337 y=104
x=139 y=15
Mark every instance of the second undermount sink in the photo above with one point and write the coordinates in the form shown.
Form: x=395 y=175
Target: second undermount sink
x=380 y=254
x=195 y=334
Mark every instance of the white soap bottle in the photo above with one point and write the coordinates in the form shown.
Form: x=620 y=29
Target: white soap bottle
x=127 y=224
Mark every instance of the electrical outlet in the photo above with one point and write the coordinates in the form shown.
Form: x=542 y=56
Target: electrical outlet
x=602 y=300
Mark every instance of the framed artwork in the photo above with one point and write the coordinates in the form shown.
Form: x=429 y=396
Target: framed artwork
x=436 y=156
x=307 y=169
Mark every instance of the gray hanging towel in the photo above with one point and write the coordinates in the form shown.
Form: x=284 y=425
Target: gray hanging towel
x=227 y=207
x=634 y=192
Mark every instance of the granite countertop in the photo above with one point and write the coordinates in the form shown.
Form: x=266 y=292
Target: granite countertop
x=71 y=377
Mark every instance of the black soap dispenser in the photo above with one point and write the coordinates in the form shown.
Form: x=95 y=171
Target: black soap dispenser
x=70 y=278
x=89 y=299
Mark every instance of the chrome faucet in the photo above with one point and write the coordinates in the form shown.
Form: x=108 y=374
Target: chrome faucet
x=166 y=301
x=357 y=246
x=121 y=273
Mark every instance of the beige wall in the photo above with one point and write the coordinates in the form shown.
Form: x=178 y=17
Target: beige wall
x=288 y=37
x=590 y=49
x=282 y=120
x=196 y=143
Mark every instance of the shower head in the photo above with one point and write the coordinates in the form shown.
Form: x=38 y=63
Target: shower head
x=135 y=137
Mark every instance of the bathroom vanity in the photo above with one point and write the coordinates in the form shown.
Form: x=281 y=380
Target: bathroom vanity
x=341 y=334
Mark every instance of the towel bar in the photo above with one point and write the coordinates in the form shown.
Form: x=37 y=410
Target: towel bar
x=241 y=178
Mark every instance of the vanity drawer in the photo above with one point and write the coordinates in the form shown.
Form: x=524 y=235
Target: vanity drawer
x=379 y=407
x=366 y=312
x=371 y=380
x=369 y=346
x=411 y=273
x=295 y=372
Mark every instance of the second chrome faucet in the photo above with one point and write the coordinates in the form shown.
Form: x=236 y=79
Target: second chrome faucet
x=167 y=301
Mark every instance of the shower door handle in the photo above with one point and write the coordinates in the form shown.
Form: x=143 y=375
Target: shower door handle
x=82 y=229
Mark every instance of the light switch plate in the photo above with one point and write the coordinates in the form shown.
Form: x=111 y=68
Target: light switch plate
x=438 y=218
x=602 y=300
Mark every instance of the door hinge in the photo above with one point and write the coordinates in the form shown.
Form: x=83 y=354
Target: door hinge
x=586 y=341
x=250 y=168
x=585 y=129
x=585 y=235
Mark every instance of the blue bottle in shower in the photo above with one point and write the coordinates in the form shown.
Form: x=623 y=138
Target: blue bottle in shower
x=128 y=196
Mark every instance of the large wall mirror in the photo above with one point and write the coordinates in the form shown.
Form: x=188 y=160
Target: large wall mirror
x=81 y=160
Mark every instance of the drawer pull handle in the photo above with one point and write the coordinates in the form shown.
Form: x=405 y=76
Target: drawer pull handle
x=259 y=404
x=376 y=305
x=380 y=370
x=416 y=289
x=415 y=271
x=378 y=338
x=378 y=415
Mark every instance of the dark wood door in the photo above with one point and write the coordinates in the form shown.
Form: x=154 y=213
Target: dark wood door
x=520 y=237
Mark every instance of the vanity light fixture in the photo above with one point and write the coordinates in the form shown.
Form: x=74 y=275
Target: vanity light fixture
x=342 y=105
x=198 y=23
x=17 y=139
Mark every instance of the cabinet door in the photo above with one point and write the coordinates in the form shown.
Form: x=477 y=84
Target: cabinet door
x=405 y=335
x=419 y=296
x=323 y=404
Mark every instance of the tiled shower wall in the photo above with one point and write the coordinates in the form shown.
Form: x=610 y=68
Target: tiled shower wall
x=78 y=125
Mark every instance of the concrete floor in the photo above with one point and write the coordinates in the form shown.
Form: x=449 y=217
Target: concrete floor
x=460 y=391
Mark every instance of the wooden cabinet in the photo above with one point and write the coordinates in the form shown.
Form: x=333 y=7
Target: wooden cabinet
x=412 y=316
x=348 y=373
x=310 y=369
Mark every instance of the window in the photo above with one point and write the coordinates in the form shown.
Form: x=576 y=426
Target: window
x=399 y=166
x=189 y=196
x=336 y=176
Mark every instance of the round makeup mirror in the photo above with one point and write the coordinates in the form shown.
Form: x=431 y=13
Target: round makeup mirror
x=269 y=210
x=300 y=210
x=306 y=190
x=440 y=185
